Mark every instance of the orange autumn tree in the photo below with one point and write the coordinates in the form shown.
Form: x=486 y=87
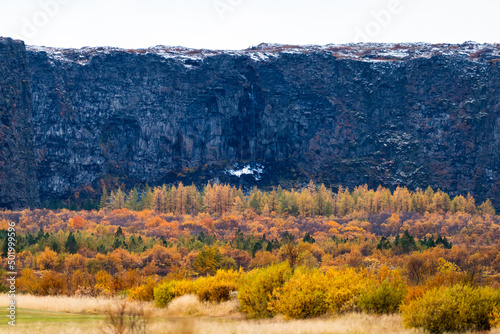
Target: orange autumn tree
x=46 y=260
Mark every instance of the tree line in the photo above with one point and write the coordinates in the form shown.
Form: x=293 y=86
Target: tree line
x=313 y=200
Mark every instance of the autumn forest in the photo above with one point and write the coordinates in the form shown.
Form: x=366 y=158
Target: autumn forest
x=156 y=244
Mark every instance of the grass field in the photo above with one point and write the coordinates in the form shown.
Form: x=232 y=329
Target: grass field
x=40 y=321
x=44 y=322
x=185 y=315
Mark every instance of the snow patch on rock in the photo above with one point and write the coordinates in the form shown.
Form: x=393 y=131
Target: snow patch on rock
x=256 y=170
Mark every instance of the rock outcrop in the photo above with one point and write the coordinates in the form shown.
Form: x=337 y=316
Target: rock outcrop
x=18 y=183
x=410 y=114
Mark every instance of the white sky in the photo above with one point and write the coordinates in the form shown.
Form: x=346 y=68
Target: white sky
x=238 y=24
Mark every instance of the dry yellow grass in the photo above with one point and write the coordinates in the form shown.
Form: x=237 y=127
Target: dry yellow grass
x=79 y=305
x=60 y=303
x=350 y=323
x=55 y=329
x=189 y=305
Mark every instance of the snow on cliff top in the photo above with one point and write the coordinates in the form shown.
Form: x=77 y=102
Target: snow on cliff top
x=372 y=52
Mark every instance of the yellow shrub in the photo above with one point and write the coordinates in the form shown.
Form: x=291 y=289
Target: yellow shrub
x=144 y=292
x=458 y=308
x=51 y=283
x=446 y=279
x=217 y=288
x=102 y=290
x=28 y=282
x=228 y=275
x=47 y=259
x=495 y=317
x=385 y=297
x=257 y=286
x=165 y=292
x=446 y=266
x=312 y=293
x=414 y=292
x=344 y=286
x=215 y=291
x=303 y=296
x=184 y=287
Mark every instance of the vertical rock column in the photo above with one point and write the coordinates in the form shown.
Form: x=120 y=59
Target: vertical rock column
x=18 y=183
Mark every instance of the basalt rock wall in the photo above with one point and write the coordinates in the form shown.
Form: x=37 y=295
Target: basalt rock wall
x=18 y=183
x=411 y=115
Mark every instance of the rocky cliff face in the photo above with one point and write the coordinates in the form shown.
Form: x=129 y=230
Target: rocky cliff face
x=18 y=185
x=410 y=114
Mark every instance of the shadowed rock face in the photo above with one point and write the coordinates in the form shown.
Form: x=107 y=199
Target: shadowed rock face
x=18 y=185
x=411 y=114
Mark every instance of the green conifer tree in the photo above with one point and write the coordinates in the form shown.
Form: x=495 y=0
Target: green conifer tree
x=104 y=198
x=118 y=200
x=71 y=244
x=132 y=202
